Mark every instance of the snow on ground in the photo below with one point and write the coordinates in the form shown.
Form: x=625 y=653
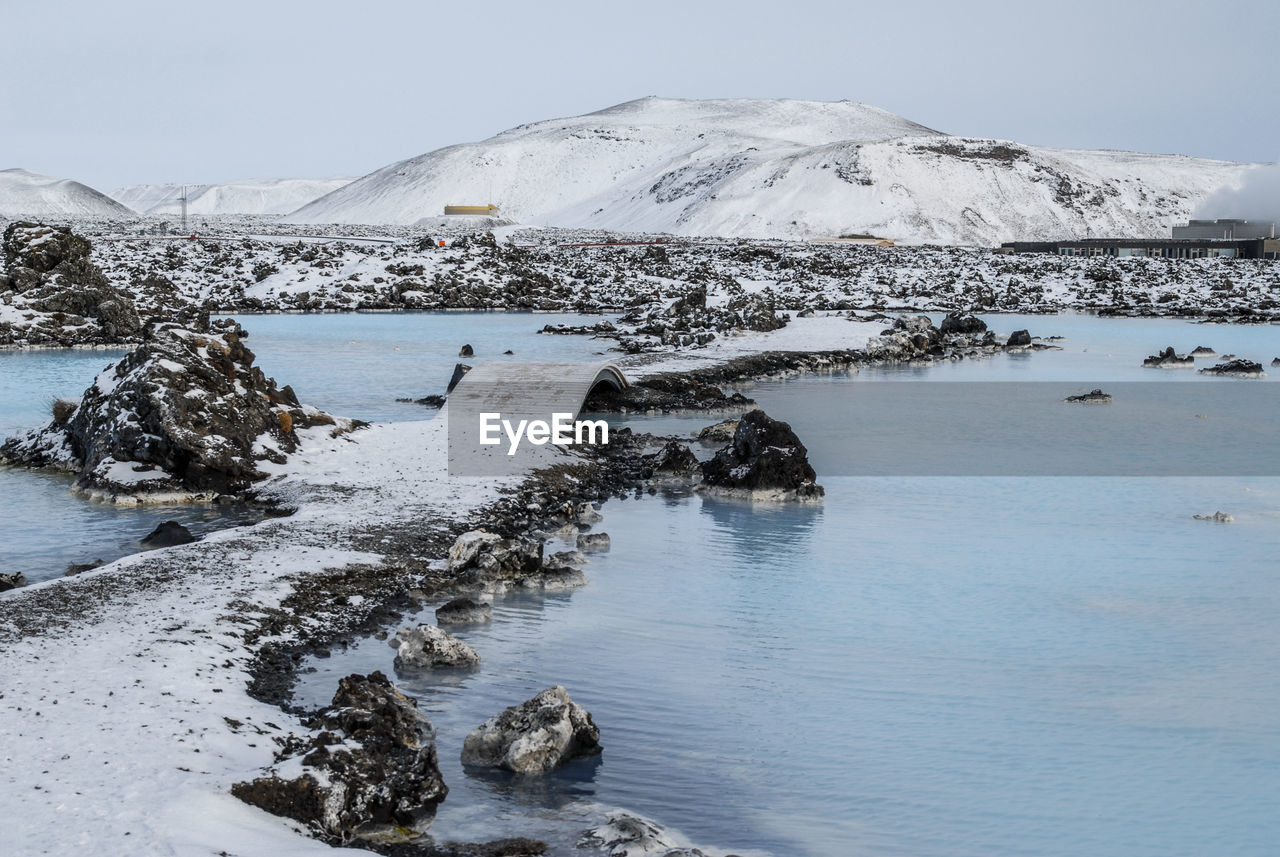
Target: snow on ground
x=114 y=730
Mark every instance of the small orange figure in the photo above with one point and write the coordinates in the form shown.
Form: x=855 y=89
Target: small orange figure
x=441 y=242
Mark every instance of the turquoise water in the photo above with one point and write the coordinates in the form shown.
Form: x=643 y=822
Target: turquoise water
x=919 y=666
x=353 y=365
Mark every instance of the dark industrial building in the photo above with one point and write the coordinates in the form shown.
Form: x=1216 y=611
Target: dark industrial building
x=1164 y=248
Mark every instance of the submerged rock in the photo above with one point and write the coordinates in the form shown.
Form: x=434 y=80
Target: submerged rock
x=168 y=534
x=1236 y=369
x=184 y=412
x=428 y=647
x=12 y=581
x=535 y=736
x=370 y=772
x=594 y=542
x=1217 y=517
x=464 y=611
x=1093 y=397
x=1167 y=359
x=765 y=461
x=627 y=835
x=1275 y=361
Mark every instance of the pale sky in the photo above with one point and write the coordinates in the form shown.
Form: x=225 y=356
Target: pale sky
x=131 y=92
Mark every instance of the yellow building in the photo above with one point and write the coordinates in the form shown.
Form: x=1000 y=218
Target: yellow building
x=488 y=210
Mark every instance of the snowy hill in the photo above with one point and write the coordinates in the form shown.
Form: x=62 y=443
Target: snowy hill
x=261 y=197
x=776 y=168
x=27 y=194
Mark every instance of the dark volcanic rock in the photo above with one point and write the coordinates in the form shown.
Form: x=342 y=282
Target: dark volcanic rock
x=466 y=351
x=962 y=322
x=1093 y=397
x=1237 y=369
x=370 y=773
x=721 y=432
x=535 y=736
x=464 y=611
x=1019 y=338
x=764 y=461
x=674 y=459
x=1169 y=359
x=594 y=542
x=186 y=411
x=12 y=581
x=63 y=298
x=1202 y=351
x=168 y=534
x=459 y=369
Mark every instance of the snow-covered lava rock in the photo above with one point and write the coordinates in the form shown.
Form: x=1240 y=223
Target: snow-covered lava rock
x=186 y=413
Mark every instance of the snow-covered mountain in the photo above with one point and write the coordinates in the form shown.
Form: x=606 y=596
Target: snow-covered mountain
x=259 y=196
x=779 y=168
x=27 y=194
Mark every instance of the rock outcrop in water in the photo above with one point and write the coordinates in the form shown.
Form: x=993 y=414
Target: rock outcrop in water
x=1168 y=359
x=427 y=647
x=185 y=413
x=627 y=835
x=1093 y=397
x=12 y=581
x=369 y=772
x=167 y=534
x=535 y=736
x=764 y=461
x=1216 y=517
x=53 y=294
x=1236 y=369
x=464 y=611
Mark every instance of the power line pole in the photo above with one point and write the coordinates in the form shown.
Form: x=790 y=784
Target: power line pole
x=184 y=209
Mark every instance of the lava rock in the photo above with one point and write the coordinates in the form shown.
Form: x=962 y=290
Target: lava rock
x=534 y=737
x=627 y=835
x=12 y=581
x=1236 y=369
x=464 y=611
x=721 y=432
x=1216 y=517
x=481 y=557
x=81 y=567
x=168 y=534
x=1168 y=359
x=674 y=459
x=466 y=351
x=184 y=412
x=459 y=369
x=962 y=322
x=594 y=542
x=370 y=772
x=428 y=647
x=1019 y=339
x=764 y=461
x=1203 y=351
x=1093 y=397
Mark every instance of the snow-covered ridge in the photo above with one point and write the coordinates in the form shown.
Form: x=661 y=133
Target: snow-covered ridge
x=24 y=193
x=781 y=168
x=253 y=196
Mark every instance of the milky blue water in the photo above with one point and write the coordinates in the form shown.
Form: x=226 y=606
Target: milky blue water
x=918 y=666
x=353 y=365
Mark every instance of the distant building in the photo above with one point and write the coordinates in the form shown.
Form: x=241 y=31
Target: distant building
x=1163 y=248
x=484 y=210
x=1225 y=230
